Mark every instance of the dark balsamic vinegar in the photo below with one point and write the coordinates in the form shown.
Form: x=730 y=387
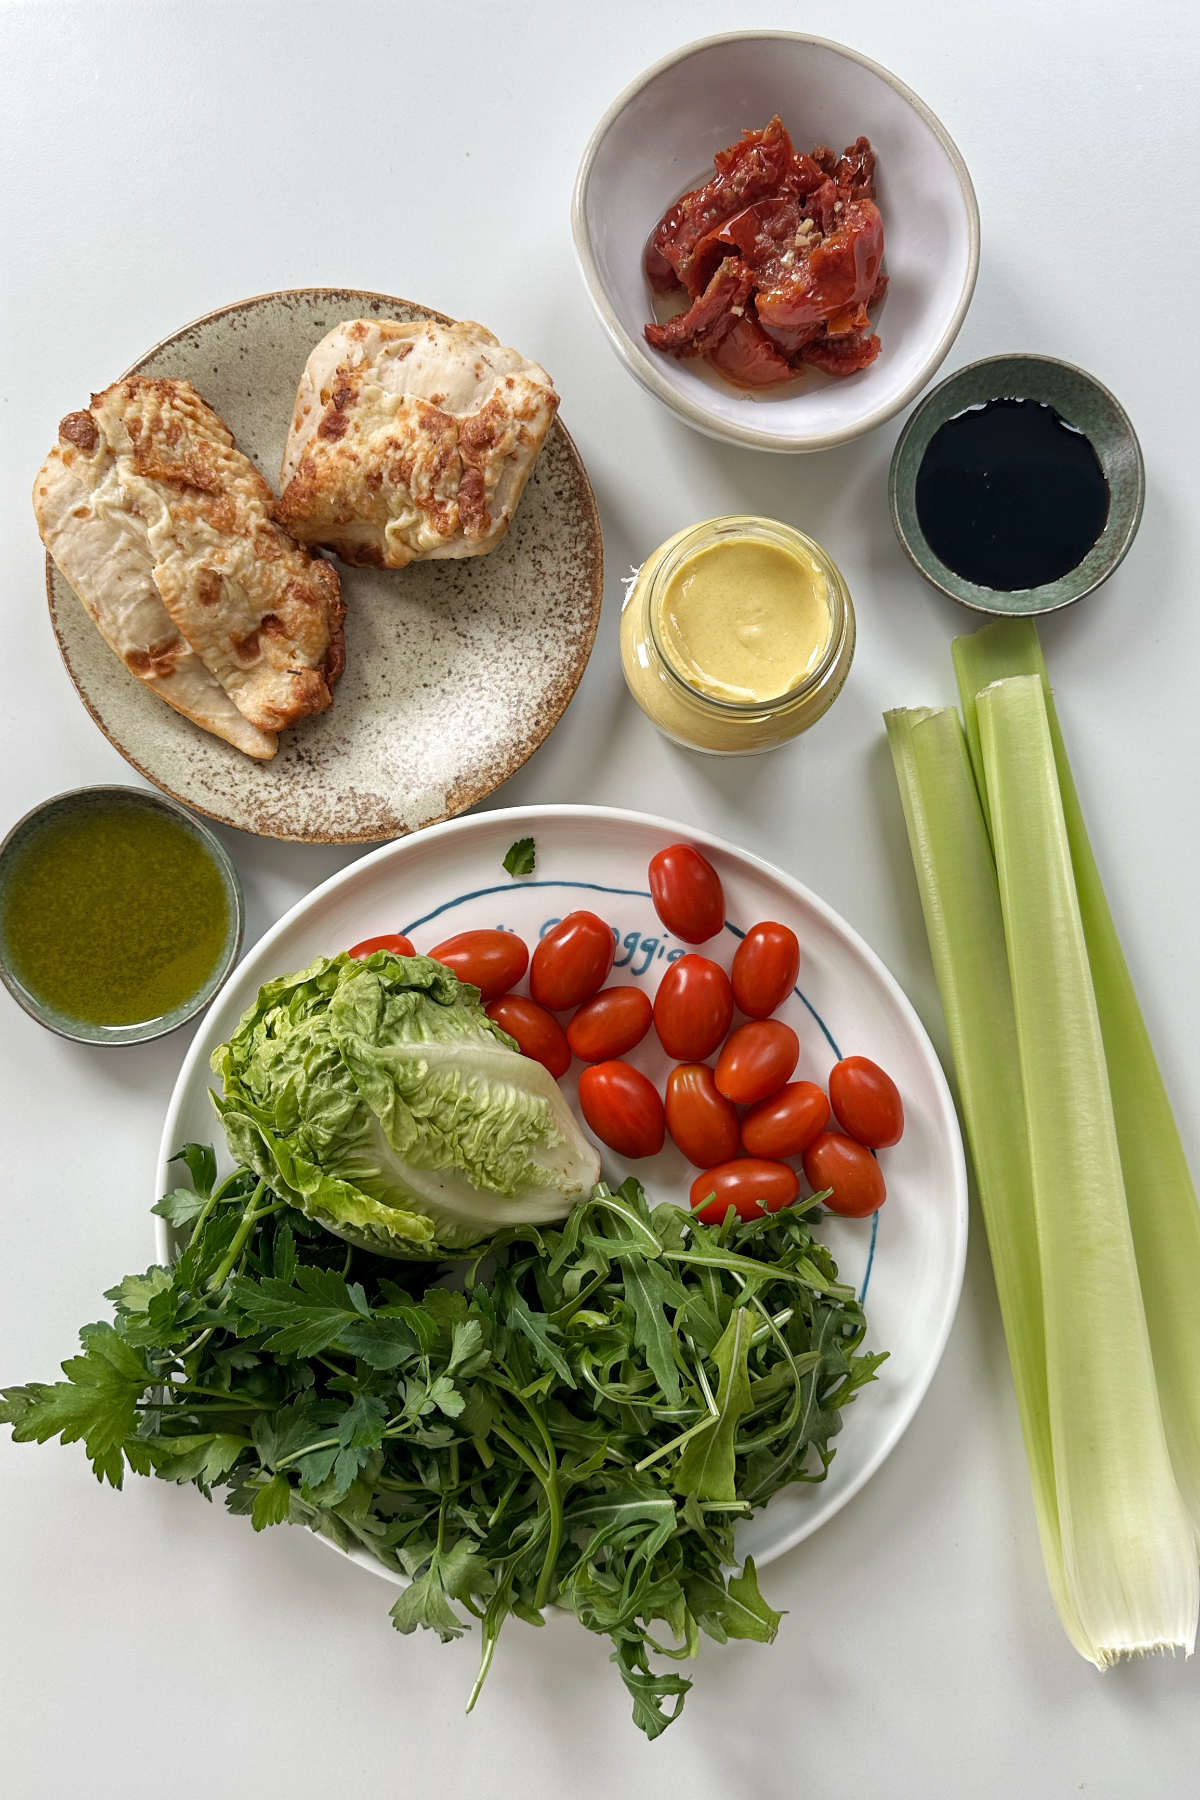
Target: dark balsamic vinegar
x=1010 y=496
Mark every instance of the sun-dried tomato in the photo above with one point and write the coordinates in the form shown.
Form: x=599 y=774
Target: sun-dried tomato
x=758 y=233
x=791 y=340
x=752 y=169
x=840 y=272
x=855 y=169
x=780 y=254
x=842 y=355
x=803 y=178
x=708 y=318
x=746 y=355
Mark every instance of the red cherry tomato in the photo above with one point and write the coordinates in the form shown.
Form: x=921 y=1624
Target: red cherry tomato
x=538 y=1033
x=391 y=940
x=787 y=1122
x=492 y=961
x=610 y=1023
x=702 y=1122
x=867 y=1102
x=756 y=1061
x=750 y=1185
x=693 y=1008
x=572 y=961
x=687 y=893
x=765 y=966
x=837 y=1162
x=622 y=1108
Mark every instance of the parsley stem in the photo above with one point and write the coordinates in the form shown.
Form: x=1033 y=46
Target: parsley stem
x=249 y=1220
x=325 y=1444
x=190 y=1387
x=200 y=1406
x=217 y=1194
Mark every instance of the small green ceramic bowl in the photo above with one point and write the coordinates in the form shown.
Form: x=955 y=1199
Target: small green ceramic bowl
x=1083 y=402
x=88 y=804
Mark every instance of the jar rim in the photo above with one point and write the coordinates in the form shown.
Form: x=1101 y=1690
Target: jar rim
x=767 y=530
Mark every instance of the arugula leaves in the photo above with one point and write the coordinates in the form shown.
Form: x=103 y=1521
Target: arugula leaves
x=584 y=1427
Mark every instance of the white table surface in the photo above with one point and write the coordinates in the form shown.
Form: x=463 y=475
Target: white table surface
x=164 y=158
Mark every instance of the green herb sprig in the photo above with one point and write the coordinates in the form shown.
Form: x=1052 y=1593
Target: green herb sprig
x=521 y=857
x=581 y=1427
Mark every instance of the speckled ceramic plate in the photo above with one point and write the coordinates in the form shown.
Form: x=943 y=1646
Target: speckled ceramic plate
x=455 y=671
x=906 y=1262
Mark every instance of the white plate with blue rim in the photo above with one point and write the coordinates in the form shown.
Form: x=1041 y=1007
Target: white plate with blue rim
x=906 y=1262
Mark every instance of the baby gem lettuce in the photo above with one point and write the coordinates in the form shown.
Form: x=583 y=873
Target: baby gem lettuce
x=378 y=1098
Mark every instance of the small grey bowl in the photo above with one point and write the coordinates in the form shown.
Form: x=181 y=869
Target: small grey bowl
x=79 y=800
x=1083 y=402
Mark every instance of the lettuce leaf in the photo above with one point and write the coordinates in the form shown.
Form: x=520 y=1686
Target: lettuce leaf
x=379 y=1098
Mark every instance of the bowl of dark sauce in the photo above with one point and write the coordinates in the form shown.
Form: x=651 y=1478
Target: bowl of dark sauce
x=120 y=915
x=1017 y=485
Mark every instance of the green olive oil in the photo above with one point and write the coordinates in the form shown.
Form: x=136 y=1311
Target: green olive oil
x=114 y=915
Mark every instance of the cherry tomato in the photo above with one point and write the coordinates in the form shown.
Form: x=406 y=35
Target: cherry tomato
x=610 y=1023
x=765 y=966
x=692 y=1008
x=702 y=1122
x=687 y=893
x=756 y=1061
x=572 y=961
x=391 y=940
x=492 y=961
x=837 y=1162
x=622 y=1108
x=867 y=1102
x=787 y=1122
x=750 y=1185
x=538 y=1033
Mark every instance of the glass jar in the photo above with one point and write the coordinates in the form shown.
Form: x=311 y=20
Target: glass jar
x=698 y=720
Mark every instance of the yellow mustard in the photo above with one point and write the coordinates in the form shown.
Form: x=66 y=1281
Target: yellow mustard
x=737 y=634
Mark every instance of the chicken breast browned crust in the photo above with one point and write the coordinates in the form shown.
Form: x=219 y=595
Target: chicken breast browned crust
x=151 y=469
x=411 y=442
x=103 y=552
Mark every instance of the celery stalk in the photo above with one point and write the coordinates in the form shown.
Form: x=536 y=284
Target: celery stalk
x=1128 y=1548
x=1163 y=1213
x=957 y=881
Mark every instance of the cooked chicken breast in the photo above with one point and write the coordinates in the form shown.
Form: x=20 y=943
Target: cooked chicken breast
x=261 y=614
x=102 y=550
x=411 y=442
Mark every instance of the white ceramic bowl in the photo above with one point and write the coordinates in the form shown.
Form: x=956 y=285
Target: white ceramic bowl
x=659 y=138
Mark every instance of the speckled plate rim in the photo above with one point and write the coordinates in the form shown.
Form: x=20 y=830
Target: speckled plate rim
x=523 y=819
x=1119 y=453
x=111 y=1037
x=640 y=366
x=503 y=769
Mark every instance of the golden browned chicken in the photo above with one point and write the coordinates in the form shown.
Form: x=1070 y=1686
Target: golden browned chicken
x=164 y=530
x=411 y=442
